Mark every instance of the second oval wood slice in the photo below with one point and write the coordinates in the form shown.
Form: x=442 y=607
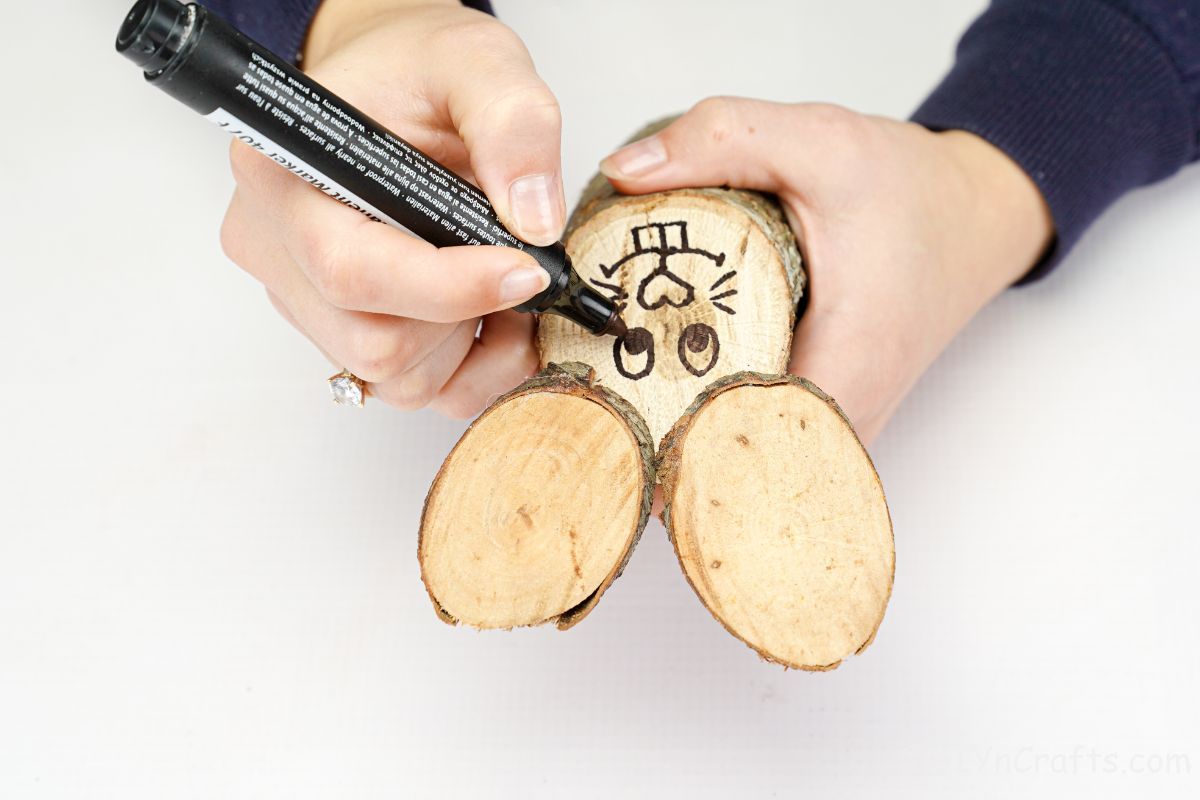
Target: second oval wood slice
x=779 y=519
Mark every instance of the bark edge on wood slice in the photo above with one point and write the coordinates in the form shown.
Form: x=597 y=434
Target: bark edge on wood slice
x=796 y=557
x=537 y=509
x=708 y=280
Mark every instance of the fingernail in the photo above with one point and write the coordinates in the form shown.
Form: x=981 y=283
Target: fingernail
x=523 y=283
x=636 y=159
x=537 y=208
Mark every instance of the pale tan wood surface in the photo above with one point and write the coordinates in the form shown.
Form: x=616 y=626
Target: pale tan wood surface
x=707 y=281
x=537 y=508
x=779 y=519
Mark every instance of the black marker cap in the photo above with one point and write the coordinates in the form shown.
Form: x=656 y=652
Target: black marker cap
x=153 y=32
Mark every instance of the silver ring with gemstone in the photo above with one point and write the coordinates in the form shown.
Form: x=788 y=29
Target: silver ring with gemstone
x=347 y=389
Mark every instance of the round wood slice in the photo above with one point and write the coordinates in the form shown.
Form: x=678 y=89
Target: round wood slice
x=779 y=519
x=538 y=507
x=707 y=280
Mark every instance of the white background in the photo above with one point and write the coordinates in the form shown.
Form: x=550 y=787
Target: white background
x=208 y=581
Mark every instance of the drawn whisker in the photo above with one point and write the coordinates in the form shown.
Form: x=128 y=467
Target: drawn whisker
x=726 y=293
x=724 y=308
x=722 y=279
x=618 y=292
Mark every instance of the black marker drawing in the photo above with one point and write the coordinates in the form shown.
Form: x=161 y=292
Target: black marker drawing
x=696 y=338
x=722 y=279
x=727 y=293
x=615 y=292
x=722 y=306
x=662 y=287
x=635 y=342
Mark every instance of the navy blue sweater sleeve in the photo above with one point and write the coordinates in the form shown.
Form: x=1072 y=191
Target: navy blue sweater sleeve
x=281 y=25
x=1092 y=98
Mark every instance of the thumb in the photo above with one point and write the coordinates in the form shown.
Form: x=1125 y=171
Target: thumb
x=721 y=141
x=510 y=122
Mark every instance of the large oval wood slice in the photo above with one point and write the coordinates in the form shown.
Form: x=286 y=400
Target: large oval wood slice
x=779 y=519
x=538 y=507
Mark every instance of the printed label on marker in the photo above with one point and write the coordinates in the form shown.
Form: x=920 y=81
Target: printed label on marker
x=391 y=180
x=296 y=166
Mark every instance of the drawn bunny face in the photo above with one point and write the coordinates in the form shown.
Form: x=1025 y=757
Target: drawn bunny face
x=667 y=302
x=699 y=292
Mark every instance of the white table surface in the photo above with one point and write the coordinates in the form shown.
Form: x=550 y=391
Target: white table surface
x=208 y=580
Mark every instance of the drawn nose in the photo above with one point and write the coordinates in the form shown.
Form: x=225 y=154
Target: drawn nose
x=664 y=287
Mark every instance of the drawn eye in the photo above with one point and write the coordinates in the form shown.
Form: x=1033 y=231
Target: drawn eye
x=695 y=340
x=632 y=344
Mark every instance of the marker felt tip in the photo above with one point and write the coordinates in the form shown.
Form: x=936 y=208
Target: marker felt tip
x=265 y=102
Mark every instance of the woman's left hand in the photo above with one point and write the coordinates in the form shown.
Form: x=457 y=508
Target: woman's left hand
x=906 y=233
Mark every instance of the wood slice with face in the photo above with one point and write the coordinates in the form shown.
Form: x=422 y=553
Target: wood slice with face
x=701 y=287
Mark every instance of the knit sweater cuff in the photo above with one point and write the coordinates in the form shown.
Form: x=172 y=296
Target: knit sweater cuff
x=1079 y=94
x=282 y=25
x=278 y=25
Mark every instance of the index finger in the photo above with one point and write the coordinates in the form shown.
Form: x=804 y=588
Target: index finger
x=360 y=265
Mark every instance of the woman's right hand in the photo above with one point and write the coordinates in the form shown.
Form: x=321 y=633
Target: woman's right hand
x=394 y=310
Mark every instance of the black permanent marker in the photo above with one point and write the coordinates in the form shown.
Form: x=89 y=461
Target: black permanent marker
x=237 y=83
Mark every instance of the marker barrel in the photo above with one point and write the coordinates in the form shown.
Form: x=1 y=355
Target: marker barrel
x=194 y=56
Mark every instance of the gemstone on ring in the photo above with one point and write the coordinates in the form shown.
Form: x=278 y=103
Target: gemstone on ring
x=347 y=389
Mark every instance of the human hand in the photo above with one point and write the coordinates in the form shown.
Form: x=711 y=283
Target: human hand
x=906 y=233
x=396 y=311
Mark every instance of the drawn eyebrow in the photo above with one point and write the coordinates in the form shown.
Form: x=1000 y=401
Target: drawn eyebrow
x=722 y=279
